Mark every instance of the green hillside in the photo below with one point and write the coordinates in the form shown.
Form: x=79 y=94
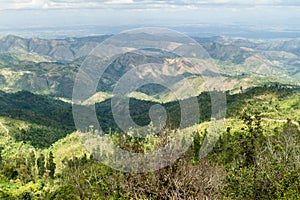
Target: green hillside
x=257 y=156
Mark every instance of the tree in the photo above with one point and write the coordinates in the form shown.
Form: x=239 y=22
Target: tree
x=41 y=164
x=252 y=138
x=51 y=166
x=31 y=164
x=197 y=145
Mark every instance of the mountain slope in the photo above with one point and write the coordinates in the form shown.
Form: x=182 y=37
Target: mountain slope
x=50 y=66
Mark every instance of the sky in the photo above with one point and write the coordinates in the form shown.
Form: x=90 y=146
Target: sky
x=24 y=14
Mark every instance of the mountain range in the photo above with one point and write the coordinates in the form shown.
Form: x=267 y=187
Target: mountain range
x=49 y=66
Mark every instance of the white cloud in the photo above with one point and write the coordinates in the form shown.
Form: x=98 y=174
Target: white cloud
x=137 y=4
x=120 y=2
x=23 y=4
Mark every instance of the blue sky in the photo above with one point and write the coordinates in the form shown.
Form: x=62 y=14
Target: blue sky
x=281 y=14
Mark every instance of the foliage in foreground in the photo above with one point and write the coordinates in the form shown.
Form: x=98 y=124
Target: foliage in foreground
x=256 y=157
x=243 y=165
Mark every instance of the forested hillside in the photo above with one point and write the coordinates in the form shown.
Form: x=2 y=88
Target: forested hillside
x=256 y=157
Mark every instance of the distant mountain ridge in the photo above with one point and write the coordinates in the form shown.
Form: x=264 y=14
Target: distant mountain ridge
x=49 y=66
x=73 y=48
x=60 y=49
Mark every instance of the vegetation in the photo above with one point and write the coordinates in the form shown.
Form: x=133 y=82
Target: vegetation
x=256 y=157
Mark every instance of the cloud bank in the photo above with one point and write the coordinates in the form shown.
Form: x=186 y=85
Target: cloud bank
x=138 y=4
